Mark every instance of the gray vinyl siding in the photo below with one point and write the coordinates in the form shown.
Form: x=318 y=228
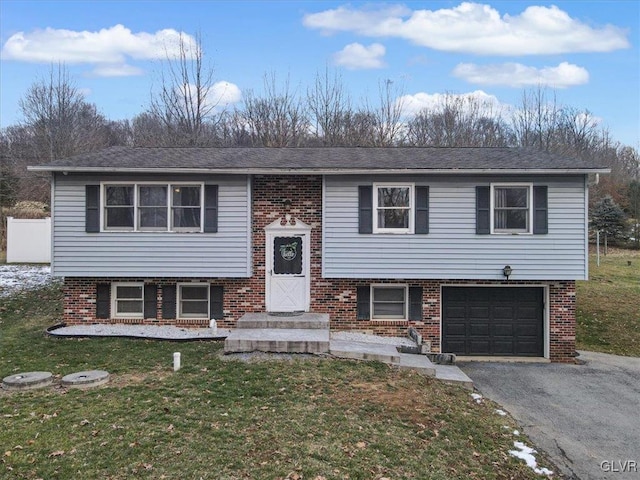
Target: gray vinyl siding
x=151 y=254
x=452 y=249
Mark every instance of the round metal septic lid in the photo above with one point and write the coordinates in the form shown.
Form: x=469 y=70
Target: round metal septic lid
x=27 y=380
x=90 y=378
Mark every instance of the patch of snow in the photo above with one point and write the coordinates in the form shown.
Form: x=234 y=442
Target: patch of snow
x=366 y=338
x=526 y=453
x=14 y=278
x=477 y=397
x=516 y=433
x=502 y=413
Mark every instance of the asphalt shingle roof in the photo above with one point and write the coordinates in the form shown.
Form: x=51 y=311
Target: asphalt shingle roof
x=320 y=159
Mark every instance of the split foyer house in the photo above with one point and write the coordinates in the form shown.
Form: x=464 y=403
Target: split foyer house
x=478 y=249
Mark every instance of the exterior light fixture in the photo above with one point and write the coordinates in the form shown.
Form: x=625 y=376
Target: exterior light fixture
x=507 y=271
x=286 y=203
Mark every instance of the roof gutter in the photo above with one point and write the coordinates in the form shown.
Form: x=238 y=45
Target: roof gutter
x=320 y=171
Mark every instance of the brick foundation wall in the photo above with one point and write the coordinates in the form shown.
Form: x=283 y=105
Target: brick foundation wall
x=337 y=297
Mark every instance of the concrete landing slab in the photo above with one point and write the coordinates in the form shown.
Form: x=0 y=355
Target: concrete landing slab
x=277 y=340
x=365 y=351
x=419 y=363
x=265 y=320
x=452 y=374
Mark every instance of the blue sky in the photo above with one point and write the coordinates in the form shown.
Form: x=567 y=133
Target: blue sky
x=586 y=50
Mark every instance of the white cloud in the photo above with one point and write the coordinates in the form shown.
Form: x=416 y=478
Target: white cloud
x=117 y=70
x=414 y=104
x=518 y=75
x=475 y=28
x=356 y=56
x=108 y=49
x=225 y=93
x=220 y=95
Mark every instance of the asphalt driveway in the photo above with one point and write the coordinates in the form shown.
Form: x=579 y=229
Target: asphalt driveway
x=586 y=417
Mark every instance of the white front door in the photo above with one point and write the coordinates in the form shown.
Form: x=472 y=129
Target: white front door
x=287 y=271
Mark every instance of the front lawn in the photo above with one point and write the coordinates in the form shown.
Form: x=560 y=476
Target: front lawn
x=309 y=418
x=608 y=305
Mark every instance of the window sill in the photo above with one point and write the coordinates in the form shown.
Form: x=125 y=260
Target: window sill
x=389 y=321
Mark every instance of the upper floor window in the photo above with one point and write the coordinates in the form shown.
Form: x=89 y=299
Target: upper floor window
x=153 y=207
x=394 y=208
x=511 y=211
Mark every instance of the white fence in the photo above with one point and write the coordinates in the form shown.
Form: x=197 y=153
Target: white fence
x=28 y=240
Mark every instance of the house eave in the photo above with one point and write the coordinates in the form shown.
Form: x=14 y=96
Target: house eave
x=321 y=171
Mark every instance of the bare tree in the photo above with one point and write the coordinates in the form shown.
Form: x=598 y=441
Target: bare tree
x=184 y=102
x=329 y=106
x=458 y=121
x=535 y=122
x=388 y=130
x=278 y=119
x=59 y=120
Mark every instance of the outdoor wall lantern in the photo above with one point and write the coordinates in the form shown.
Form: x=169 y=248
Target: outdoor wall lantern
x=507 y=271
x=286 y=203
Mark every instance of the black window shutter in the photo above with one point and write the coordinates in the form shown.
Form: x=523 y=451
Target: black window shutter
x=92 y=208
x=482 y=210
x=211 y=208
x=365 y=209
x=103 y=300
x=150 y=301
x=422 y=209
x=169 y=301
x=216 y=294
x=363 y=295
x=540 y=210
x=415 y=304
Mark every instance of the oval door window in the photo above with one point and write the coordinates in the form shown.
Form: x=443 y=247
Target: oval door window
x=287 y=255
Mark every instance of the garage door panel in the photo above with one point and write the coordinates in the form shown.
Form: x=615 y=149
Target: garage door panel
x=455 y=329
x=503 y=330
x=453 y=311
x=479 y=347
x=458 y=345
x=478 y=312
x=503 y=347
x=493 y=320
x=504 y=312
x=528 y=311
x=479 y=329
x=527 y=348
x=527 y=330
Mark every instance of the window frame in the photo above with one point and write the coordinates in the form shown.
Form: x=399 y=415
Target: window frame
x=411 y=209
x=114 y=300
x=179 y=314
x=136 y=207
x=388 y=286
x=139 y=208
x=492 y=208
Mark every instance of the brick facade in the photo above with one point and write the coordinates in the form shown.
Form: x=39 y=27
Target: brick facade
x=275 y=196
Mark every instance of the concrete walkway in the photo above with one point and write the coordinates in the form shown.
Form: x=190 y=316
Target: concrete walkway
x=341 y=345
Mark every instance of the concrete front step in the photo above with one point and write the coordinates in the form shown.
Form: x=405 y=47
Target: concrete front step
x=277 y=340
x=305 y=321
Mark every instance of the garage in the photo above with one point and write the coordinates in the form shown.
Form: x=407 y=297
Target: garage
x=499 y=321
